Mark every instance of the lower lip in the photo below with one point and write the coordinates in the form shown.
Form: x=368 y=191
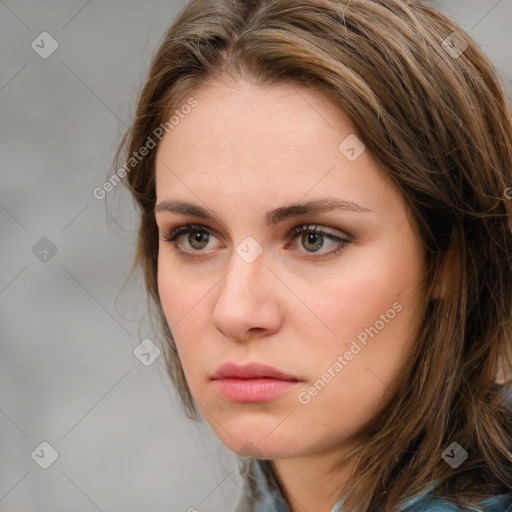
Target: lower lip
x=250 y=391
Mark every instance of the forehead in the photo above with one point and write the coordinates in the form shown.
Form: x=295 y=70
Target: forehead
x=254 y=142
x=244 y=122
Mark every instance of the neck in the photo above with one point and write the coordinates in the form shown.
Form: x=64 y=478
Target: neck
x=308 y=482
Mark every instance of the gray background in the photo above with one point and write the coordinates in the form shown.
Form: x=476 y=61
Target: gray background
x=68 y=373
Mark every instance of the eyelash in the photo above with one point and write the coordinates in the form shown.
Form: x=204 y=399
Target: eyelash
x=172 y=237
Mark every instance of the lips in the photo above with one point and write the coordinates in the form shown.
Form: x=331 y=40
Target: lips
x=251 y=371
x=252 y=383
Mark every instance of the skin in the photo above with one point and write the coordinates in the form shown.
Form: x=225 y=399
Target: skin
x=244 y=150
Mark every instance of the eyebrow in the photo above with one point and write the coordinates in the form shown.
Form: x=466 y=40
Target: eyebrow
x=273 y=216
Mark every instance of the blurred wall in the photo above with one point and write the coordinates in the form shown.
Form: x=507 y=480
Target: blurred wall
x=114 y=437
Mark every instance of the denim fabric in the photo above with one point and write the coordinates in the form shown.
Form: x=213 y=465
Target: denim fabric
x=262 y=494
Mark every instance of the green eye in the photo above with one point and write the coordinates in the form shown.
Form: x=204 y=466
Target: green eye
x=312 y=238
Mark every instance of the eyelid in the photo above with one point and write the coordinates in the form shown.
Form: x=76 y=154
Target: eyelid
x=318 y=228
x=342 y=239
x=186 y=228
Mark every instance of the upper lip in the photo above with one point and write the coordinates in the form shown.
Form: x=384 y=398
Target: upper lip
x=250 y=371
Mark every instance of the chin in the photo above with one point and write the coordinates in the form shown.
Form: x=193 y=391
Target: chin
x=266 y=447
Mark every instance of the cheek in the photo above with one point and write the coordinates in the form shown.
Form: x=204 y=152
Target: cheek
x=356 y=297
x=176 y=295
x=374 y=309
x=185 y=305
x=177 y=301
x=167 y=287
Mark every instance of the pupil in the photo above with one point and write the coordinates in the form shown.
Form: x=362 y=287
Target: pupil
x=199 y=237
x=312 y=238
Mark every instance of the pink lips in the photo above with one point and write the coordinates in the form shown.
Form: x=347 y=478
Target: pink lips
x=252 y=383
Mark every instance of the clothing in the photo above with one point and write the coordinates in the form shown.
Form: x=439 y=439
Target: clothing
x=262 y=494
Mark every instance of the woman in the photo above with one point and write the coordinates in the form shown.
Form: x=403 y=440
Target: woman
x=325 y=236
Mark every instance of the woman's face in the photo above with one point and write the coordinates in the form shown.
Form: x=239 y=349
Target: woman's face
x=337 y=310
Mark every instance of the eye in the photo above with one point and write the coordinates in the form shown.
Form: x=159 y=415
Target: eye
x=198 y=238
x=312 y=238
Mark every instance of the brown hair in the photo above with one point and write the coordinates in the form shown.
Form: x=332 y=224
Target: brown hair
x=439 y=123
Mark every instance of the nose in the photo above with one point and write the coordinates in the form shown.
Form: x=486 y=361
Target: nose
x=247 y=304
